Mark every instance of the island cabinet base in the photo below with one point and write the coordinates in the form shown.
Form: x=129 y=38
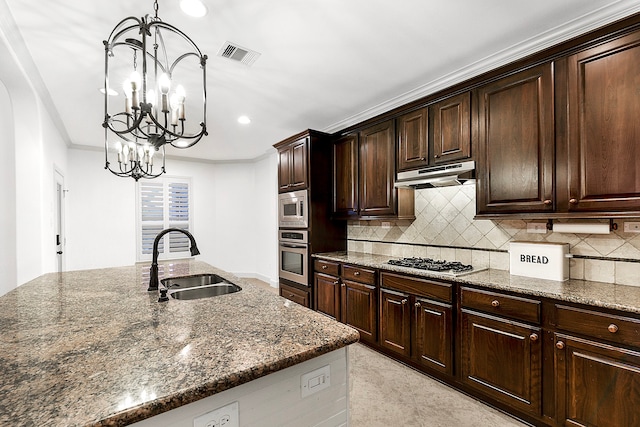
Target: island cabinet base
x=276 y=399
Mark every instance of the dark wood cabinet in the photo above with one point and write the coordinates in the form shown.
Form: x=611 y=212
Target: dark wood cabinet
x=348 y=294
x=414 y=325
x=515 y=163
x=413 y=140
x=433 y=335
x=359 y=308
x=502 y=359
x=395 y=322
x=376 y=171
x=345 y=176
x=327 y=289
x=364 y=174
x=596 y=384
x=603 y=128
x=294 y=294
x=452 y=128
x=292 y=166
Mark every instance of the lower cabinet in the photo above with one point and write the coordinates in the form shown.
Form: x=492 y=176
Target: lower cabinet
x=348 y=294
x=294 y=294
x=545 y=361
x=415 y=326
x=596 y=384
x=502 y=359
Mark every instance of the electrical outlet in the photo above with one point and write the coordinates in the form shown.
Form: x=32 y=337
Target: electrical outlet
x=225 y=416
x=314 y=381
x=632 y=227
x=536 y=227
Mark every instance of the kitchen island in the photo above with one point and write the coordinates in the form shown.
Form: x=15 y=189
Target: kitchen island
x=95 y=348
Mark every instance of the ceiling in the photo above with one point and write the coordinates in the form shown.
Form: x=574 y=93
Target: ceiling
x=324 y=64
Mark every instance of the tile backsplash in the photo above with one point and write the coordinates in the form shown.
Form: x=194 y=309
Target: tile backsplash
x=444 y=228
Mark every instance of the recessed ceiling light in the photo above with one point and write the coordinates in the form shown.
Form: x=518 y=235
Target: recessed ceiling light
x=194 y=8
x=111 y=91
x=244 y=120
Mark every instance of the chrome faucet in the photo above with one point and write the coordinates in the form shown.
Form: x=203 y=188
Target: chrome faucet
x=153 y=279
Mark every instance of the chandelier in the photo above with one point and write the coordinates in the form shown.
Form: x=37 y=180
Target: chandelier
x=154 y=61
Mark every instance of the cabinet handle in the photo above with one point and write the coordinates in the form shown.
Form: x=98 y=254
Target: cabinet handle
x=337 y=282
x=343 y=285
x=573 y=201
x=356 y=273
x=547 y=202
x=495 y=303
x=559 y=345
x=291 y=296
x=417 y=304
x=436 y=156
x=613 y=328
x=324 y=267
x=404 y=301
x=423 y=159
x=533 y=337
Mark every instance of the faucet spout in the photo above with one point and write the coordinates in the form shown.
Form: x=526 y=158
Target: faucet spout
x=153 y=279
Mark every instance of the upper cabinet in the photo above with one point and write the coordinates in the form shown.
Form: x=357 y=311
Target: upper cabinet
x=292 y=165
x=515 y=161
x=604 y=128
x=364 y=174
x=413 y=148
x=452 y=128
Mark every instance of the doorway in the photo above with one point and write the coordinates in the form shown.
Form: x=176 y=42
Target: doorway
x=59 y=220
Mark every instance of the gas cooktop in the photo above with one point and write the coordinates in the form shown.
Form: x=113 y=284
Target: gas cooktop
x=453 y=268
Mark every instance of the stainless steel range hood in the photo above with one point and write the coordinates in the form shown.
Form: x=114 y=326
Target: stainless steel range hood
x=436 y=176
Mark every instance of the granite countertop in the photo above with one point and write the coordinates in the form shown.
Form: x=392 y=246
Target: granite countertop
x=95 y=348
x=605 y=295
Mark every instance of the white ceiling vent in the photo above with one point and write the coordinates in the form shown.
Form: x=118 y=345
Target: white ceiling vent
x=237 y=53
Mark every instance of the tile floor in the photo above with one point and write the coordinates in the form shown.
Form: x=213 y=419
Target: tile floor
x=383 y=392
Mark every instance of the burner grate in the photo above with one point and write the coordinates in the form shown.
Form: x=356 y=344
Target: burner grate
x=442 y=266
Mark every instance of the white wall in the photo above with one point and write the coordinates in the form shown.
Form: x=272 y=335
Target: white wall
x=31 y=146
x=8 y=260
x=234 y=214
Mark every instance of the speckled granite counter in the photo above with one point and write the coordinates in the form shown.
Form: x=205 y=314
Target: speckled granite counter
x=95 y=348
x=606 y=295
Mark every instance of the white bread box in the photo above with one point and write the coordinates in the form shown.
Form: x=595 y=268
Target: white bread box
x=541 y=260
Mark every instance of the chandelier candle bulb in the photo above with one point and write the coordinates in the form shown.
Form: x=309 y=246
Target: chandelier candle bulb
x=165 y=84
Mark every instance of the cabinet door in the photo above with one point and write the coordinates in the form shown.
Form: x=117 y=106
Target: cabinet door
x=604 y=129
x=299 y=165
x=284 y=169
x=395 y=322
x=359 y=308
x=452 y=128
x=433 y=332
x=376 y=172
x=413 y=149
x=327 y=290
x=597 y=385
x=345 y=176
x=502 y=359
x=292 y=166
x=516 y=143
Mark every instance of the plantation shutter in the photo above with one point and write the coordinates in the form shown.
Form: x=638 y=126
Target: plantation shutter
x=163 y=203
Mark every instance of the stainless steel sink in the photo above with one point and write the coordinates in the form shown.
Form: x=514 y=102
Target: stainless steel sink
x=198 y=286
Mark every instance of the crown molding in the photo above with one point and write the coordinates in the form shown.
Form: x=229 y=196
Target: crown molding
x=577 y=27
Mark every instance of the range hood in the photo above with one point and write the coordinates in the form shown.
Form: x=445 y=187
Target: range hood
x=436 y=176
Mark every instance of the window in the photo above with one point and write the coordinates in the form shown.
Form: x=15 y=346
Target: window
x=163 y=203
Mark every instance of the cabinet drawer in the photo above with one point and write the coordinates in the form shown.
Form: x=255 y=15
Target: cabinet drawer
x=359 y=274
x=619 y=329
x=421 y=287
x=524 y=309
x=327 y=267
x=294 y=294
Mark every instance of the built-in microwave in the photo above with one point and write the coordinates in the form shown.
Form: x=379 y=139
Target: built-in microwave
x=294 y=256
x=293 y=209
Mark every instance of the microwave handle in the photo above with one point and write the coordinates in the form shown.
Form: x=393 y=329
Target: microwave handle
x=289 y=245
x=302 y=208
